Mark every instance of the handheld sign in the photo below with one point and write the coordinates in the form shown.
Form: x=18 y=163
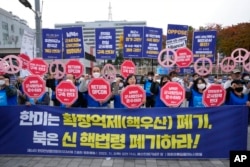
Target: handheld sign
x=172 y=94
x=109 y=72
x=127 y=67
x=203 y=70
x=133 y=96
x=58 y=68
x=167 y=59
x=228 y=64
x=3 y=66
x=33 y=86
x=66 y=92
x=99 y=89
x=38 y=66
x=12 y=68
x=184 y=57
x=239 y=55
x=214 y=95
x=25 y=60
x=246 y=63
x=74 y=67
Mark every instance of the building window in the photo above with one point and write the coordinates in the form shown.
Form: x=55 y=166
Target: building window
x=5 y=26
x=12 y=28
x=5 y=38
x=21 y=31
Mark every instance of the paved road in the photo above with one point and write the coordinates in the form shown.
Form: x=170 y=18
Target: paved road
x=34 y=161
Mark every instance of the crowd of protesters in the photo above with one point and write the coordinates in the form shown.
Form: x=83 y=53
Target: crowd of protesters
x=236 y=84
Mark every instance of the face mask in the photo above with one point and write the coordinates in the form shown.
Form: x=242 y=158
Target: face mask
x=120 y=84
x=175 y=79
x=2 y=82
x=96 y=74
x=239 y=89
x=150 y=78
x=201 y=86
x=158 y=80
x=246 y=78
x=219 y=80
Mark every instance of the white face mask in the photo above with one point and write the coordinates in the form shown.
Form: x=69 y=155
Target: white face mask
x=120 y=84
x=219 y=80
x=246 y=78
x=96 y=74
x=158 y=80
x=201 y=86
x=175 y=79
x=150 y=78
x=2 y=82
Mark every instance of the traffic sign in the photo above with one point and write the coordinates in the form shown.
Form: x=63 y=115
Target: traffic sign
x=74 y=67
x=184 y=57
x=133 y=96
x=99 y=89
x=38 y=66
x=33 y=86
x=25 y=60
x=214 y=95
x=172 y=94
x=127 y=67
x=66 y=92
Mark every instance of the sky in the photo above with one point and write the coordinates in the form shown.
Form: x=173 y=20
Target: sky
x=157 y=13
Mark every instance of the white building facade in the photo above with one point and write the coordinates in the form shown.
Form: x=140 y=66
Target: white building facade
x=11 y=31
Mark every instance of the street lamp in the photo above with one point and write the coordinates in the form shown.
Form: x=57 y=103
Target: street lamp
x=38 y=17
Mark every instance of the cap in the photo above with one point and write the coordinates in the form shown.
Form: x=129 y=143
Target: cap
x=236 y=71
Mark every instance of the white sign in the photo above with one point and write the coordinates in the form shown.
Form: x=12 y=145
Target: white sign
x=28 y=45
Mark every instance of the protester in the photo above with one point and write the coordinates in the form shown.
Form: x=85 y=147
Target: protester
x=246 y=86
x=150 y=98
x=175 y=78
x=8 y=93
x=235 y=75
x=116 y=90
x=195 y=99
x=156 y=89
x=44 y=99
x=83 y=88
x=51 y=83
x=21 y=97
x=80 y=102
x=235 y=95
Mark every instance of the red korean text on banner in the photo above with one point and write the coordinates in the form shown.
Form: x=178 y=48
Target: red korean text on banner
x=172 y=94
